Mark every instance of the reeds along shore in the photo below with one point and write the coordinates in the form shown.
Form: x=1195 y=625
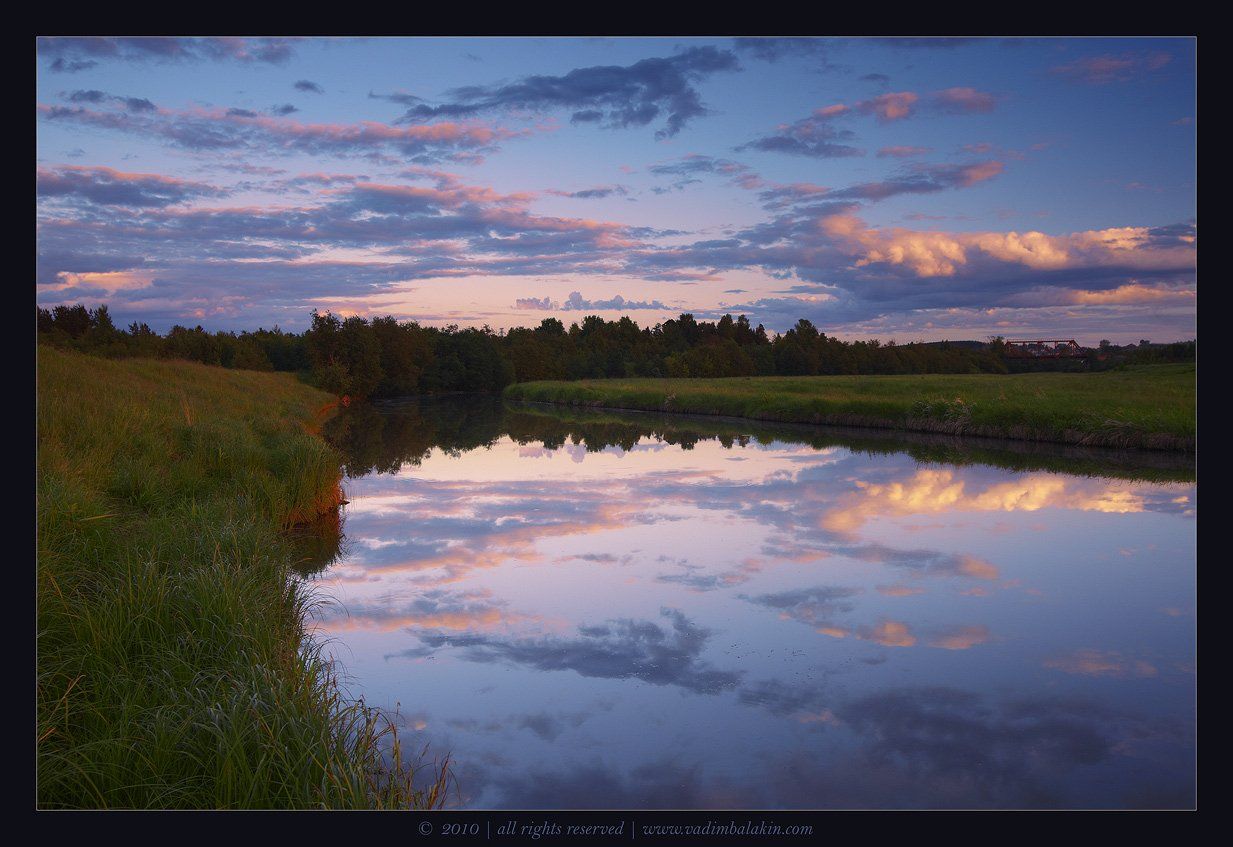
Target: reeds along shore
x=173 y=666
x=1151 y=407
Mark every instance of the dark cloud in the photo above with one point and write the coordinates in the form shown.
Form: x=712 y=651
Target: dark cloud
x=89 y=96
x=308 y=86
x=926 y=42
x=396 y=97
x=71 y=53
x=618 y=96
x=921 y=179
x=946 y=731
x=772 y=49
x=663 y=784
x=693 y=578
x=596 y=193
x=446 y=228
x=942 y=747
x=283 y=109
x=784 y=698
x=243 y=129
x=94 y=96
x=687 y=170
x=618 y=649
x=816 y=606
x=108 y=187
x=70 y=66
x=815 y=136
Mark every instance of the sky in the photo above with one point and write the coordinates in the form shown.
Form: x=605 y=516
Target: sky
x=906 y=189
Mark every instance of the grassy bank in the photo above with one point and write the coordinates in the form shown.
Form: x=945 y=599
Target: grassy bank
x=1150 y=407
x=173 y=669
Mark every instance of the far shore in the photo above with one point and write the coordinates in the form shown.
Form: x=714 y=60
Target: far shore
x=1148 y=407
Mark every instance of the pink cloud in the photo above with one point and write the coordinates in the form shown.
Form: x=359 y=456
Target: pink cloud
x=1101 y=70
x=1101 y=663
x=963 y=100
x=893 y=106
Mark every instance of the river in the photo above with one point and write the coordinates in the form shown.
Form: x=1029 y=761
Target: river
x=606 y=610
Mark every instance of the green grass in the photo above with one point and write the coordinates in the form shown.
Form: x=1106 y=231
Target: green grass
x=173 y=668
x=1151 y=406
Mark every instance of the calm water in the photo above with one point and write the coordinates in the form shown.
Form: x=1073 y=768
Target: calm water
x=603 y=610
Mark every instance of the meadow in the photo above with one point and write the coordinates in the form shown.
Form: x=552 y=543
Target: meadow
x=173 y=666
x=1150 y=406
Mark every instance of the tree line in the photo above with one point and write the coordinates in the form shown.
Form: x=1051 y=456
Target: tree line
x=385 y=357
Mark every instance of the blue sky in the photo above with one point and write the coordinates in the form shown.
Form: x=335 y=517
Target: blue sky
x=907 y=189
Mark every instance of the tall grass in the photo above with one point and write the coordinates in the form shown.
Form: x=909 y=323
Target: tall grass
x=1150 y=406
x=173 y=668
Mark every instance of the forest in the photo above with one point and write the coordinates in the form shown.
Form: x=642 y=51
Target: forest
x=385 y=357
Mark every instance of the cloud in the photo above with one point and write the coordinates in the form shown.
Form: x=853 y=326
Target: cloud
x=210 y=130
x=892 y=106
x=818 y=137
x=815 y=136
x=433 y=608
x=902 y=151
x=933 y=491
x=922 y=179
x=132 y=104
x=1101 y=663
x=815 y=606
x=73 y=53
x=665 y=783
x=1107 y=68
x=772 y=49
x=959 y=637
x=617 y=649
x=596 y=193
x=109 y=187
x=1010 y=753
x=963 y=100
x=686 y=170
x=577 y=303
x=782 y=698
x=426 y=223
x=71 y=66
x=308 y=86
x=545 y=304
x=926 y=42
x=888 y=634
x=613 y=95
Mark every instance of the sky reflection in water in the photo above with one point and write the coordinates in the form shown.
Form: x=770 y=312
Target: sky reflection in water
x=630 y=611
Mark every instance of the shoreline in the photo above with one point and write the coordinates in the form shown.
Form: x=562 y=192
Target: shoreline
x=1012 y=454
x=918 y=413
x=175 y=663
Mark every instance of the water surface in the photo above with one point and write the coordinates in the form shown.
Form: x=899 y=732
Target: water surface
x=637 y=611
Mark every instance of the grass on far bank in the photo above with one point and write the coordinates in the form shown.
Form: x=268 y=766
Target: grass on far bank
x=1151 y=406
x=173 y=669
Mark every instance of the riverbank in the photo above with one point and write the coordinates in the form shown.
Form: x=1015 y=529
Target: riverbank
x=1150 y=407
x=173 y=668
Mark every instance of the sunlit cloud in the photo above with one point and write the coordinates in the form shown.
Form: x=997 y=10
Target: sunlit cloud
x=1101 y=663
